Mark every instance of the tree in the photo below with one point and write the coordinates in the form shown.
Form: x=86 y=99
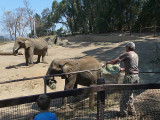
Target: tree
x=59 y=31
x=16 y=22
x=102 y=16
x=21 y=21
x=9 y=23
x=46 y=18
x=30 y=15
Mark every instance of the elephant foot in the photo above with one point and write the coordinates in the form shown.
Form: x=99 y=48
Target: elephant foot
x=44 y=62
x=67 y=107
x=64 y=107
x=71 y=106
x=26 y=64
x=91 y=107
x=31 y=65
x=37 y=62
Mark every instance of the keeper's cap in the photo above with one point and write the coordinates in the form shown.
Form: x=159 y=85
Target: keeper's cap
x=131 y=45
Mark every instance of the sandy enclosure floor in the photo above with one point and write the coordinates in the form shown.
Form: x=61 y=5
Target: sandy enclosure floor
x=103 y=51
x=9 y=72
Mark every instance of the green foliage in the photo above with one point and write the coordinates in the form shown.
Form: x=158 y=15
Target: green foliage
x=59 y=31
x=100 y=16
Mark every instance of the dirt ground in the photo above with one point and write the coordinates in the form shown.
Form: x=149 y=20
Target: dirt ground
x=103 y=51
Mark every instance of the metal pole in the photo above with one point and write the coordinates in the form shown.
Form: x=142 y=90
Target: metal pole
x=100 y=105
x=100 y=101
x=17 y=80
x=148 y=72
x=34 y=27
x=45 y=87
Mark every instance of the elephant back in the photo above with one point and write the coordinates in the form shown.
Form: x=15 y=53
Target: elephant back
x=88 y=62
x=40 y=43
x=88 y=78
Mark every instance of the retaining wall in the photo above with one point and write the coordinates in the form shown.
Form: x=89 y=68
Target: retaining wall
x=98 y=38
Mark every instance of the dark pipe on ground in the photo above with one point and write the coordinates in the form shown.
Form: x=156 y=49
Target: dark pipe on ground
x=10 y=53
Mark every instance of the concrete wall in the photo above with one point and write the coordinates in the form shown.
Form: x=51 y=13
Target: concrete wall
x=98 y=38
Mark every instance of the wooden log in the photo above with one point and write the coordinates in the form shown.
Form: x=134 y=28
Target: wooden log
x=10 y=53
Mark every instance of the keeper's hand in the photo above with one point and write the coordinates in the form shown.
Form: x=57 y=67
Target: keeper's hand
x=121 y=69
x=103 y=65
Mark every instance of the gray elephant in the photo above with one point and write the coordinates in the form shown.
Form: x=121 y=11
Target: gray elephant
x=32 y=47
x=72 y=80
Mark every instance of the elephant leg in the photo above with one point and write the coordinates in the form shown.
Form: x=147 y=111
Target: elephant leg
x=76 y=98
x=69 y=84
x=38 y=59
x=43 y=57
x=91 y=100
x=31 y=59
x=75 y=86
x=27 y=57
x=31 y=55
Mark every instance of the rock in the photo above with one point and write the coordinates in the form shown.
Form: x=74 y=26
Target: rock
x=64 y=43
x=58 y=41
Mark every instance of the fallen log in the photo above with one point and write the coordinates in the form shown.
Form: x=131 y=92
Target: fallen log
x=10 y=53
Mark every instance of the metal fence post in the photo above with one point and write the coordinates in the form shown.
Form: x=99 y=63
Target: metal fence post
x=45 y=87
x=100 y=105
x=100 y=101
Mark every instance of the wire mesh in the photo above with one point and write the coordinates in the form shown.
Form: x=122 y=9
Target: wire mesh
x=77 y=108
x=146 y=102
x=18 y=112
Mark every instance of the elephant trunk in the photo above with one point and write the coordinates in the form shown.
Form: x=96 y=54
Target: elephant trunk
x=15 y=49
x=50 y=81
x=15 y=52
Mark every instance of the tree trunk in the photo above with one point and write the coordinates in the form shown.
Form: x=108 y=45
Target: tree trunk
x=10 y=34
x=15 y=33
x=155 y=30
x=140 y=30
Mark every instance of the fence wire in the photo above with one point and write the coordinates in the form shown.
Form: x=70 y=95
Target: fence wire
x=147 y=105
x=77 y=108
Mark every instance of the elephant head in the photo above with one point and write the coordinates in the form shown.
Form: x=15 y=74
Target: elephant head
x=58 y=67
x=21 y=42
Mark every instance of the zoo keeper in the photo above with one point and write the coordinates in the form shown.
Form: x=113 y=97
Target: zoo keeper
x=130 y=61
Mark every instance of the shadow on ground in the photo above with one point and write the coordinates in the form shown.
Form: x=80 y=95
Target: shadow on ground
x=147 y=55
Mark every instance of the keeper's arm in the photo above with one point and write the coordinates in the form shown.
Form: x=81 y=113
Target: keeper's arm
x=113 y=61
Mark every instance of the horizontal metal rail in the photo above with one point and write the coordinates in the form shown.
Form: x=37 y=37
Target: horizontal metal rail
x=18 y=80
x=148 y=72
x=131 y=86
x=52 y=95
x=74 y=92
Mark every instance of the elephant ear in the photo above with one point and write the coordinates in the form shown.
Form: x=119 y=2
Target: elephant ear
x=70 y=66
x=28 y=43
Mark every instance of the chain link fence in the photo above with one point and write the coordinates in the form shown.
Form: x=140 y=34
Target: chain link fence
x=106 y=104
x=146 y=101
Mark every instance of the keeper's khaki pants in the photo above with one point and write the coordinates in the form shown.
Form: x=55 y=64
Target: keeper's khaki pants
x=127 y=98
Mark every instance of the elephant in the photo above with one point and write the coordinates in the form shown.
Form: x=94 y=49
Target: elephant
x=59 y=66
x=32 y=47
